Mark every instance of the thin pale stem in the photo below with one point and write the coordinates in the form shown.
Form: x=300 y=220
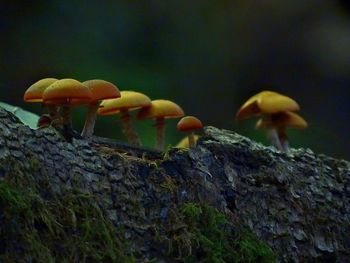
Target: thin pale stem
x=160 y=126
x=128 y=130
x=89 y=125
x=191 y=140
x=282 y=135
x=274 y=139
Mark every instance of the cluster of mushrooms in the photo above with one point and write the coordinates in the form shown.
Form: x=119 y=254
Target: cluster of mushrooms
x=104 y=98
x=276 y=111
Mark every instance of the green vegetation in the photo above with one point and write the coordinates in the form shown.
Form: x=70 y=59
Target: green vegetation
x=71 y=228
x=40 y=226
x=201 y=233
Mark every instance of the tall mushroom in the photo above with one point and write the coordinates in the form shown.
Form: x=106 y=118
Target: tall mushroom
x=101 y=90
x=35 y=94
x=279 y=122
x=265 y=104
x=129 y=100
x=67 y=93
x=189 y=124
x=160 y=110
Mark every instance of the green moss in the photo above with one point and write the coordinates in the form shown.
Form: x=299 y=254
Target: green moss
x=167 y=153
x=203 y=234
x=39 y=226
x=171 y=150
x=68 y=228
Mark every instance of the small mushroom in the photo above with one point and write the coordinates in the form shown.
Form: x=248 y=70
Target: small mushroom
x=67 y=93
x=189 y=124
x=44 y=121
x=279 y=122
x=160 y=110
x=101 y=90
x=265 y=104
x=130 y=100
x=35 y=94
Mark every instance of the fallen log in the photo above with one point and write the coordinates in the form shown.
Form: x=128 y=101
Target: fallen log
x=230 y=199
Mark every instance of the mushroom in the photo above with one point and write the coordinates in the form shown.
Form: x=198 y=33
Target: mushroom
x=35 y=94
x=160 y=110
x=265 y=104
x=184 y=143
x=279 y=122
x=67 y=93
x=189 y=124
x=44 y=121
x=101 y=90
x=130 y=100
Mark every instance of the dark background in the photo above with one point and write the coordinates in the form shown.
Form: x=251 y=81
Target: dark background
x=208 y=56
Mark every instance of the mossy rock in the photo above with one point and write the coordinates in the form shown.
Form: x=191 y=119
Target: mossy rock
x=201 y=233
x=66 y=228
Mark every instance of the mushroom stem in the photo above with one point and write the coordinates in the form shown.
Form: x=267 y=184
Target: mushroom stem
x=191 y=140
x=89 y=125
x=282 y=135
x=160 y=126
x=274 y=138
x=53 y=111
x=128 y=130
x=67 y=118
x=54 y=115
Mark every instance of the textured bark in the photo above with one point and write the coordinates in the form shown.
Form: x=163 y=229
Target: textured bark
x=297 y=202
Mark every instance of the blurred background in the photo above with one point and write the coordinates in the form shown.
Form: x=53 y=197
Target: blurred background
x=207 y=56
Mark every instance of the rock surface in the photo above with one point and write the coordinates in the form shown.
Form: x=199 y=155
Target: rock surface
x=298 y=203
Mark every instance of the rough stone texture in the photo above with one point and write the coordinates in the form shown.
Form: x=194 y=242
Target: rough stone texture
x=299 y=203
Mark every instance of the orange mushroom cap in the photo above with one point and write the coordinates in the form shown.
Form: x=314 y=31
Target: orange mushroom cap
x=189 y=123
x=67 y=91
x=35 y=92
x=102 y=90
x=282 y=120
x=266 y=102
x=129 y=100
x=161 y=109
